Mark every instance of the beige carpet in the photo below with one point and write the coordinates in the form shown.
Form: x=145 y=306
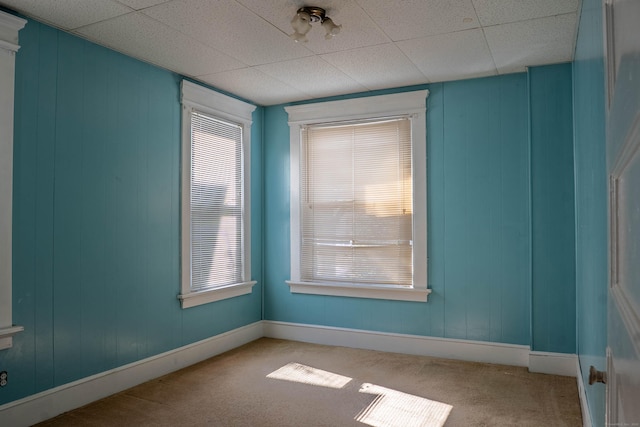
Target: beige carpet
x=283 y=383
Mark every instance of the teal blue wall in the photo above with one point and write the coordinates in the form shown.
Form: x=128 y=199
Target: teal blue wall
x=591 y=201
x=96 y=216
x=479 y=222
x=552 y=210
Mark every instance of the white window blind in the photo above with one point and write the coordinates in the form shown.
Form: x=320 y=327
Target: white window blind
x=216 y=202
x=356 y=202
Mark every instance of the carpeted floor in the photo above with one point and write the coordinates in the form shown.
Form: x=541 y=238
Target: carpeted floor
x=283 y=383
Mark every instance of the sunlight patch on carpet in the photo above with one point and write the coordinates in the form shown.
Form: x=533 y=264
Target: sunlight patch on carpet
x=309 y=375
x=392 y=408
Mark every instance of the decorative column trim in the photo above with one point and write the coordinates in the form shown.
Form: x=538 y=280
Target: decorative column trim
x=9 y=27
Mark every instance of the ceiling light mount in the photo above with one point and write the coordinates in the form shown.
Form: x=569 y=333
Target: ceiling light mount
x=317 y=14
x=306 y=15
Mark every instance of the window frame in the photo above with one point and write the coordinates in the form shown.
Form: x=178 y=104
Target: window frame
x=9 y=27
x=412 y=104
x=217 y=105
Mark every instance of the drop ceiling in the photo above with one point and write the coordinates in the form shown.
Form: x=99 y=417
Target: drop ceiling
x=243 y=46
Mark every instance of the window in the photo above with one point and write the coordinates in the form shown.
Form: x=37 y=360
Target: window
x=358 y=197
x=215 y=196
x=9 y=27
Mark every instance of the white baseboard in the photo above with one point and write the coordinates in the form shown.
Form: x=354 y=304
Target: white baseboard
x=473 y=351
x=53 y=402
x=553 y=363
x=50 y=403
x=584 y=404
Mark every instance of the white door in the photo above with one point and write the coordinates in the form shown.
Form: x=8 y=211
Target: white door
x=622 y=41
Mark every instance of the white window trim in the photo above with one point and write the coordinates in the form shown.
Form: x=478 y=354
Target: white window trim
x=195 y=97
x=9 y=27
x=406 y=103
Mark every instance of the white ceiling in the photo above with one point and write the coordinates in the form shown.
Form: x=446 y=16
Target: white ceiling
x=242 y=46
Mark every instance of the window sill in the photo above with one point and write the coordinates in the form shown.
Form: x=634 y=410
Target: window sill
x=217 y=294
x=360 y=291
x=6 y=336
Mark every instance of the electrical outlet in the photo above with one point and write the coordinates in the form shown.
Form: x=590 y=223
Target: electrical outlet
x=4 y=378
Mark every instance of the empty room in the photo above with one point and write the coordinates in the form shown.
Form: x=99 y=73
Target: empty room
x=327 y=213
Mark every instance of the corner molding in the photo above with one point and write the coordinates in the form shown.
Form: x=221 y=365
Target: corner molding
x=9 y=27
x=11 y=47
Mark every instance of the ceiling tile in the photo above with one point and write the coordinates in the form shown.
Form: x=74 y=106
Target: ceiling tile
x=408 y=19
x=515 y=46
x=444 y=57
x=141 y=4
x=68 y=14
x=255 y=86
x=377 y=67
x=142 y=37
x=493 y=12
x=358 y=30
x=229 y=27
x=313 y=76
x=383 y=43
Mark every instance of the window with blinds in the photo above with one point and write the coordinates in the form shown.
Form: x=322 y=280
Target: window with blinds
x=216 y=202
x=358 y=197
x=356 y=202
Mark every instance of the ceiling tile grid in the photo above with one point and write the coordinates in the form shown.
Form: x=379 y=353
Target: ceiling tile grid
x=229 y=27
x=494 y=12
x=410 y=19
x=515 y=46
x=312 y=76
x=243 y=46
x=358 y=30
x=68 y=14
x=440 y=56
x=139 y=36
x=141 y=4
x=363 y=65
x=254 y=85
